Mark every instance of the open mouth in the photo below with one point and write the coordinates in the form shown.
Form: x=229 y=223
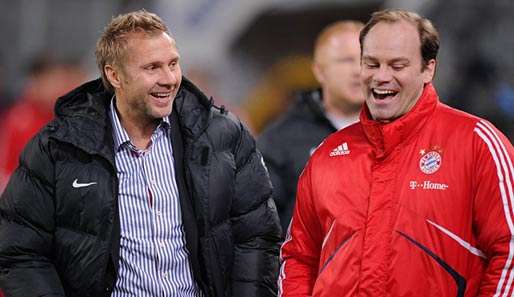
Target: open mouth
x=383 y=94
x=161 y=95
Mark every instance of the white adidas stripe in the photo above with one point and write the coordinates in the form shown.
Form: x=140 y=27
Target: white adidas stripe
x=502 y=161
x=509 y=186
x=509 y=168
x=282 y=274
x=281 y=278
x=461 y=241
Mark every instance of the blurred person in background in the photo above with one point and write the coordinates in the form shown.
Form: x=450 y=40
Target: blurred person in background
x=414 y=200
x=287 y=143
x=47 y=79
x=139 y=187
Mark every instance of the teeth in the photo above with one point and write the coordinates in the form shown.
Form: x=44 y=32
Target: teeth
x=384 y=92
x=161 y=95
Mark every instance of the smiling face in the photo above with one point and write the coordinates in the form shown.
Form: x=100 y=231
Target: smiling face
x=392 y=72
x=148 y=77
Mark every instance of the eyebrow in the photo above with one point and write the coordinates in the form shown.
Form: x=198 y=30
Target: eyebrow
x=174 y=59
x=400 y=60
x=367 y=57
x=394 y=60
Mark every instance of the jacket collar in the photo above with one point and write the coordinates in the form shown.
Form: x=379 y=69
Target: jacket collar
x=310 y=105
x=313 y=100
x=193 y=109
x=84 y=120
x=385 y=137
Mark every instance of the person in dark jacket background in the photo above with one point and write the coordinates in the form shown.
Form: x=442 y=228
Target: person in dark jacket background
x=139 y=187
x=287 y=144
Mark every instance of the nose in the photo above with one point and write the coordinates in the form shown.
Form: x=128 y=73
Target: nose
x=382 y=74
x=169 y=76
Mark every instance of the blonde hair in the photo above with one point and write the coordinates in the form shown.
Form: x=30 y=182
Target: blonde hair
x=111 y=46
x=332 y=29
x=428 y=35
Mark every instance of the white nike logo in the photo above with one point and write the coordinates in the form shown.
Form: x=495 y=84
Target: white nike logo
x=76 y=184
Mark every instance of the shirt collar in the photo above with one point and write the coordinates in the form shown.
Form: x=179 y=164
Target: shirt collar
x=120 y=135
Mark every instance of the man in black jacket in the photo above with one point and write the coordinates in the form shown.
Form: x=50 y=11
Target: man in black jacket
x=287 y=144
x=139 y=187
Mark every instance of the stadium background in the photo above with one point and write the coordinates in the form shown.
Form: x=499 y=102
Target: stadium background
x=252 y=55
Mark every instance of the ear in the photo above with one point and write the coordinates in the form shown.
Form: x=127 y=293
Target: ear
x=113 y=75
x=317 y=70
x=429 y=71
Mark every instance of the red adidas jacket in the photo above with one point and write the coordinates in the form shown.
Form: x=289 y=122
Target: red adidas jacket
x=421 y=206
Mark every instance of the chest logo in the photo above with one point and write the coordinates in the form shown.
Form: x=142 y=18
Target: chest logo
x=340 y=150
x=430 y=162
x=77 y=185
x=427 y=185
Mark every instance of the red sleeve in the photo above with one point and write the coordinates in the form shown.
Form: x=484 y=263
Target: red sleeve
x=494 y=208
x=300 y=252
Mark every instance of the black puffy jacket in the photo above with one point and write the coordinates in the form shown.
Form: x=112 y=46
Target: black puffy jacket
x=56 y=240
x=287 y=144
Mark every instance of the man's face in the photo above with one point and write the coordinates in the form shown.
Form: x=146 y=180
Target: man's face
x=148 y=78
x=337 y=70
x=392 y=74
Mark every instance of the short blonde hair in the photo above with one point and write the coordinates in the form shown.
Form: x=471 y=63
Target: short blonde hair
x=111 y=46
x=332 y=29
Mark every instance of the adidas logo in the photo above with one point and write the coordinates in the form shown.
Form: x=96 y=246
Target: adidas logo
x=340 y=150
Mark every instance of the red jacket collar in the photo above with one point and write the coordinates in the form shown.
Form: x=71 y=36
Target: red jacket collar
x=385 y=137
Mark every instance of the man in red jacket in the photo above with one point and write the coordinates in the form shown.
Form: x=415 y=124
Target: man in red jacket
x=415 y=200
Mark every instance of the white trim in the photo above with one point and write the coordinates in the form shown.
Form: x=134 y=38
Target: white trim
x=281 y=277
x=509 y=169
x=504 y=156
x=492 y=141
x=328 y=234
x=282 y=274
x=459 y=240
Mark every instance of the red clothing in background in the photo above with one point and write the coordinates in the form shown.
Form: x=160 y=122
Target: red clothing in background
x=18 y=125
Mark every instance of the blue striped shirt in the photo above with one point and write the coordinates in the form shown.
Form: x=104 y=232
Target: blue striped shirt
x=153 y=257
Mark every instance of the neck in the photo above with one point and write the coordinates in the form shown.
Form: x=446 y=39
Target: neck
x=139 y=133
x=341 y=110
x=139 y=130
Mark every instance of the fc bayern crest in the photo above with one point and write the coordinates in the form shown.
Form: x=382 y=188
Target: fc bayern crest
x=430 y=162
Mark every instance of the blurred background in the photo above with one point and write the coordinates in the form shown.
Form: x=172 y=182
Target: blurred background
x=250 y=55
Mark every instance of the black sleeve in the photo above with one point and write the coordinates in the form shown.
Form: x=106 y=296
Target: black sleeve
x=274 y=160
x=27 y=226
x=255 y=225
